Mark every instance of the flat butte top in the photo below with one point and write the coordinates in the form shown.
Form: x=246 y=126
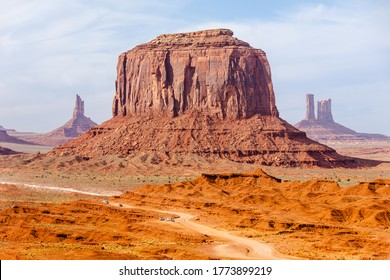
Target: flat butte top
x=213 y=38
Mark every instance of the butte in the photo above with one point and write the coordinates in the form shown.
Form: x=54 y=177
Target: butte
x=204 y=94
x=77 y=125
x=325 y=130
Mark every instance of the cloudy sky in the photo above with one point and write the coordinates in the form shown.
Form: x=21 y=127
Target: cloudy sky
x=51 y=50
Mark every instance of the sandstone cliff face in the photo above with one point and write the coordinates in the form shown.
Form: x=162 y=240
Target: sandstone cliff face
x=324 y=111
x=310 y=116
x=208 y=71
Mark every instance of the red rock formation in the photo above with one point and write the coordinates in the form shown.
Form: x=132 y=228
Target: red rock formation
x=78 y=110
x=6 y=151
x=324 y=129
x=202 y=93
x=310 y=107
x=324 y=111
x=208 y=71
x=5 y=137
x=76 y=126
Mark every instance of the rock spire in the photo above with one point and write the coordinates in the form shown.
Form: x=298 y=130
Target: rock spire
x=310 y=107
x=79 y=107
x=326 y=130
x=324 y=111
x=76 y=126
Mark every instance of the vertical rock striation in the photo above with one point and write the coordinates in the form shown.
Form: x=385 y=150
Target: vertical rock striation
x=78 y=110
x=310 y=116
x=324 y=111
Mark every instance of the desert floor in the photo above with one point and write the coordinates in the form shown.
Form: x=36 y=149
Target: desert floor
x=56 y=208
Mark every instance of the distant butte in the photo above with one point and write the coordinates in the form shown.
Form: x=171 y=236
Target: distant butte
x=77 y=125
x=6 y=151
x=203 y=93
x=5 y=137
x=325 y=129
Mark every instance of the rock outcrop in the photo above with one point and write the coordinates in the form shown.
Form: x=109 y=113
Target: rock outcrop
x=76 y=126
x=324 y=111
x=5 y=137
x=310 y=116
x=202 y=93
x=6 y=151
x=78 y=110
x=325 y=130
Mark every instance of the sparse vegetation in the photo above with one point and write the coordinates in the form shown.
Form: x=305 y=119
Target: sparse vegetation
x=83 y=229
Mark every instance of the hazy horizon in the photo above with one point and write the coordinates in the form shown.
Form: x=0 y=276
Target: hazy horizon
x=52 y=50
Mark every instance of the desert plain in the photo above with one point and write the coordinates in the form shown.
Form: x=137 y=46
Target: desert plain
x=68 y=208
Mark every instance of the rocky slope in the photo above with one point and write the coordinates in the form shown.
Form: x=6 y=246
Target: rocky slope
x=204 y=93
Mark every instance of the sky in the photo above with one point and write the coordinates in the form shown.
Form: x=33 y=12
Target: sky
x=51 y=50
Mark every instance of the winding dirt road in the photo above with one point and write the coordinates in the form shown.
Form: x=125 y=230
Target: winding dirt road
x=236 y=247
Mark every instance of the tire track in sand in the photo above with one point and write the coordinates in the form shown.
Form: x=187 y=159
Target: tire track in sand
x=238 y=247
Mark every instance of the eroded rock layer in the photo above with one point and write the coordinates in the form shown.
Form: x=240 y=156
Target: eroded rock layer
x=263 y=140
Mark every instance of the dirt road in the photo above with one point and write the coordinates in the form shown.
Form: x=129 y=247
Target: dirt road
x=237 y=247
x=53 y=188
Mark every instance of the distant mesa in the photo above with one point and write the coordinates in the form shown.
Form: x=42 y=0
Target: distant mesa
x=325 y=129
x=203 y=93
x=77 y=125
x=6 y=151
x=5 y=137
